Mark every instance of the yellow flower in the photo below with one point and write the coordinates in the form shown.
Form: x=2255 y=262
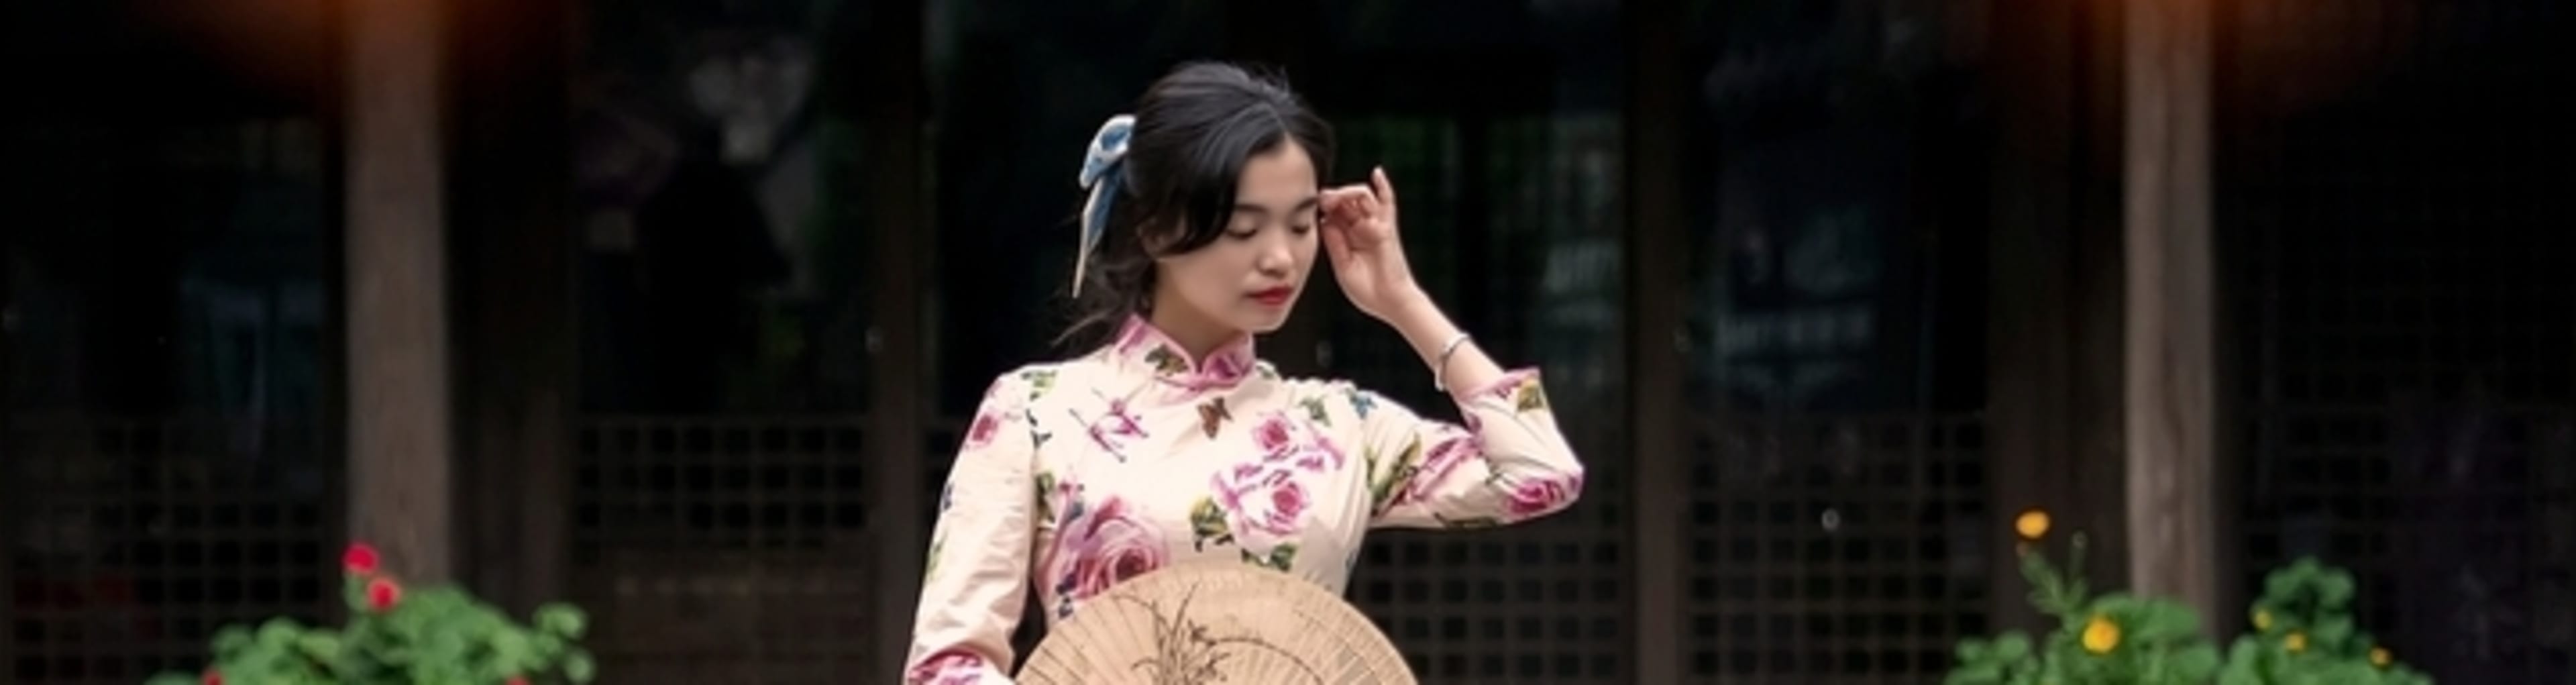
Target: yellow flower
x=2296 y=642
x=2379 y=657
x=2262 y=620
x=2032 y=524
x=2101 y=635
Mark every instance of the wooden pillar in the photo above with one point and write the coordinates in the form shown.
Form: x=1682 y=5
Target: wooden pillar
x=515 y=311
x=1655 y=254
x=2030 y=362
x=899 y=390
x=2054 y=293
x=398 y=423
x=2170 y=356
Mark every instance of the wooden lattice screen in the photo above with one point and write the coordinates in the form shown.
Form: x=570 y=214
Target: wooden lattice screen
x=2405 y=305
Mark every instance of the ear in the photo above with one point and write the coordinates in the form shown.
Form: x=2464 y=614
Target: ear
x=1154 y=236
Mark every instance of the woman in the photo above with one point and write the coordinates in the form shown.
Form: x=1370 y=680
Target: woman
x=1170 y=442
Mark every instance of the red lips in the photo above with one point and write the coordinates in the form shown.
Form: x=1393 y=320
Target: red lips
x=1274 y=296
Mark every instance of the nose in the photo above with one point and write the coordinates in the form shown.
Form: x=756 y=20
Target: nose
x=1277 y=253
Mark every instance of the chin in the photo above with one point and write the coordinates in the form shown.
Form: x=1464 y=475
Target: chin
x=1263 y=323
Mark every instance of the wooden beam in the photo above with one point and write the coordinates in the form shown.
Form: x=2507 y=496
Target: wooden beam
x=399 y=406
x=1654 y=256
x=2171 y=423
x=2094 y=463
x=2030 y=366
x=516 y=304
x=898 y=511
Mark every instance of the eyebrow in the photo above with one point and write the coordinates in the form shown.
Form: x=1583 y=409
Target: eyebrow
x=1311 y=202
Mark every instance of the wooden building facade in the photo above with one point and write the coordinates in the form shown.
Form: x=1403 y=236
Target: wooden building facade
x=675 y=309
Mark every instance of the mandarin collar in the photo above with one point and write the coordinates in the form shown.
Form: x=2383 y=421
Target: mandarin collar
x=1142 y=347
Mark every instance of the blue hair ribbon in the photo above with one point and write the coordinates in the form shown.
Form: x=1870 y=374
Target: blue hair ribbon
x=1102 y=172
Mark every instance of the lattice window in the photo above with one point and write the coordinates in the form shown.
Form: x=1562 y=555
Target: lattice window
x=2401 y=286
x=725 y=550
x=1421 y=157
x=1834 y=550
x=1543 y=602
x=1837 y=491
x=1540 y=602
x=138 y=539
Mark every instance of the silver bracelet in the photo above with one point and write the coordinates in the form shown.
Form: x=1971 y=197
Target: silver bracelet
x=1440 y=370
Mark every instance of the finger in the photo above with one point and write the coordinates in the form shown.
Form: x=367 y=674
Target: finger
x=1339 y=202
x=1353 y=201
x=1385 y=189
x=1334 y=197
x=1337 y=242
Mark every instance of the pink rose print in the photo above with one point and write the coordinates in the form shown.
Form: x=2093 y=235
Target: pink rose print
x=1453 y=447
x=948 y=667
x=1320 y=455
x=1262 y=499
x=1542 y=495
x=1100 y=548
x=1281 y=439
x=1272 y=435
x=988 y=423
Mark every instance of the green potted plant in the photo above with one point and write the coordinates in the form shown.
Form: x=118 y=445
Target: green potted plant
x=394 y=636
x=2303 y=634
x=2105 y=639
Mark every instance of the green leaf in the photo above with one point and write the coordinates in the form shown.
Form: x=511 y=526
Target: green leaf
x=1530 y=397
x=279 y=633
x=513 y=648
x=1281 y=558
x=1315 y=411
x=1045 y=487
x=549 y=647
x=2331 y=634
x=579 y=669
x=562 y=619
x=1382 y=490
x=1207 y=525
x=2012 y=647
x=2335 y=591
x=319 y=646
x=231 y=640
x=1972 y=650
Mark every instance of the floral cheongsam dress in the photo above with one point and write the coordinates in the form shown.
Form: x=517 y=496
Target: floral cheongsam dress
x=1080 y=474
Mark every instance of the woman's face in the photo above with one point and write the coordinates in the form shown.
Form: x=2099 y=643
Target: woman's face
x=1250 y=277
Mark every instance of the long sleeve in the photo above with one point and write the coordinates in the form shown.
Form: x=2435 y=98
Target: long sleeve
x=976 y=578
x=1508 y=463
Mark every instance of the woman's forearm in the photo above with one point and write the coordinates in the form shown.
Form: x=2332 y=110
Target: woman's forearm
x=1430 y=331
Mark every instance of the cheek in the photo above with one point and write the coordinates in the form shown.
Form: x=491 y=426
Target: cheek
x=1201 y=273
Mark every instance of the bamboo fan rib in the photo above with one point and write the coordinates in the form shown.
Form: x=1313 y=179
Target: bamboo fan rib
x=1216 y=623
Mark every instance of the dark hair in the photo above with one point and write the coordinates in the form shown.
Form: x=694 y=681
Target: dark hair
x=1195 y=129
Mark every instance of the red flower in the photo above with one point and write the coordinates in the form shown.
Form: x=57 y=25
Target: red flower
x=214 y=678
x=361 y=559
x=383 y=593
x=516 y=680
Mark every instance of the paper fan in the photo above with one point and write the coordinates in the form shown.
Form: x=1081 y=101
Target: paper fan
x=1216 y=623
